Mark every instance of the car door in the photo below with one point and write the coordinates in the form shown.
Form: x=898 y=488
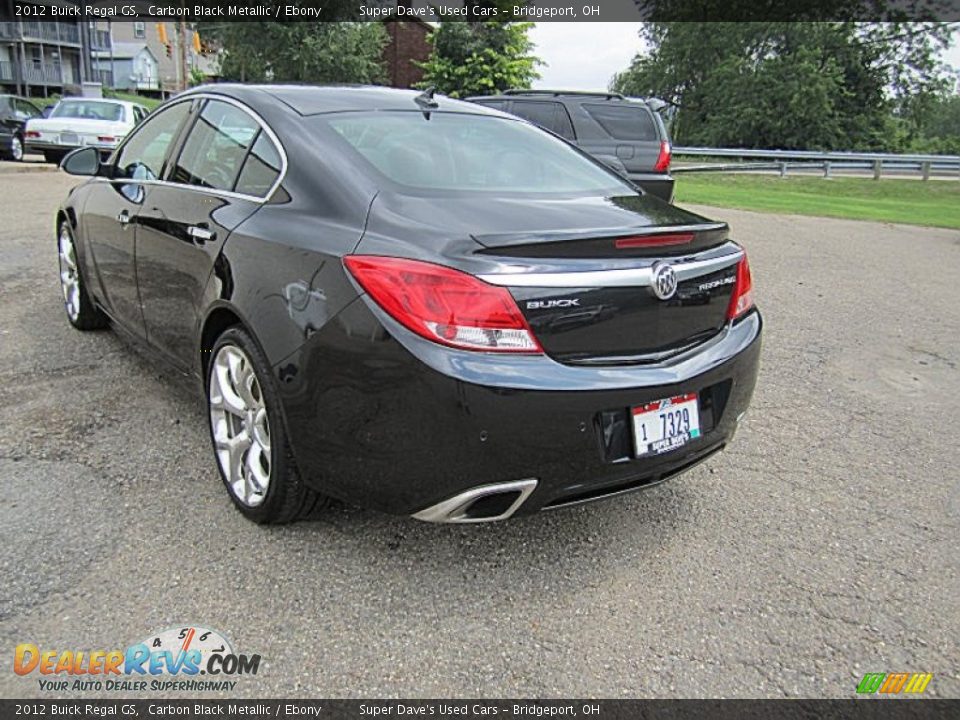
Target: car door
x=112 y=211
x=225 y=169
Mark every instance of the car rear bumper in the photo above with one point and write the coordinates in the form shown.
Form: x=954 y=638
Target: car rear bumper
x=384 y=419
x=658 y=185
x=40 y=147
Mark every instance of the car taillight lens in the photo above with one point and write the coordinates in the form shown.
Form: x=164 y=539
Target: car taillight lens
x=444 y=305
x=31 y=134
x=663 y=159
x=742 y=299
x=107 y=138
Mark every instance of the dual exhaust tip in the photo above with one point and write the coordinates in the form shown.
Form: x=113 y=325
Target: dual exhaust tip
x=484 y=503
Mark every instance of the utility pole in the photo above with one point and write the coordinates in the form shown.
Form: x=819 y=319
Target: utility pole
x=182 y=59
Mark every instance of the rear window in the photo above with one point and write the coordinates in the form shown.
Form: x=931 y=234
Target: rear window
x=88 y=110
x=462 y=152
x=624 y=122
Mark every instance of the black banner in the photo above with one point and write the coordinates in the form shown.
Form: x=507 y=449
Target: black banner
x=867 y=709
x=481 y=10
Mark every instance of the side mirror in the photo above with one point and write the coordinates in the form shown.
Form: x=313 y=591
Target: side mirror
x=82 y=161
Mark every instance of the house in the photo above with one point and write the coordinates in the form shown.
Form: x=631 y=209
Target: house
x=131 y=67
x=163 y=40
x=40 y=58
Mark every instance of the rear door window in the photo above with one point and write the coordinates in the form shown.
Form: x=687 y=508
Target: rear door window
x=27 y=108
x=216 y=148
x=261 y=168
x=624 y=122
x=495 y=104
x=549 y=115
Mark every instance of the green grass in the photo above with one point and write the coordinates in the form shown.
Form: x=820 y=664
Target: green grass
x=933 y=203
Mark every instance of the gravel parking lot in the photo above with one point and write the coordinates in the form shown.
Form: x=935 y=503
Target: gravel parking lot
x=820 y=546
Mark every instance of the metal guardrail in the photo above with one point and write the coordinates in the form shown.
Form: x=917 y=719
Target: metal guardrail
x=783 y=161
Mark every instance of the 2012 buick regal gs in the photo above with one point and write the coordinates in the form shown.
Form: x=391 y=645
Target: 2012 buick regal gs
x=410 y=303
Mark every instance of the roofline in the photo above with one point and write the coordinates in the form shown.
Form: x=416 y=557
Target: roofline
x=558 y=93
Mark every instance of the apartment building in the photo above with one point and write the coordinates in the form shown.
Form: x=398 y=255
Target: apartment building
x=41 y=58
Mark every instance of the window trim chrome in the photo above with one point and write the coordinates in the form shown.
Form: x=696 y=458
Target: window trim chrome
x=189 y=97
x=617 y=277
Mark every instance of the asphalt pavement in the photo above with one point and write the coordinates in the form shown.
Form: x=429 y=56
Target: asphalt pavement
x=820 y=546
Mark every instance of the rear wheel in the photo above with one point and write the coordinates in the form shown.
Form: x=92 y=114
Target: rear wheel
x=53 y=156
x=249 y=437
x=16 y=148
x=81 y=312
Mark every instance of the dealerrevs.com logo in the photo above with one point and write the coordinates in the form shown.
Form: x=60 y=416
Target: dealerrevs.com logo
x=183 y=658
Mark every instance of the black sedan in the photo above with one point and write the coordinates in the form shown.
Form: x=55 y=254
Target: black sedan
x=410 y=303
x=14 y=113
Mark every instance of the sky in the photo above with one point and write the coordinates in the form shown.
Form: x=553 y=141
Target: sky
x=584 y=56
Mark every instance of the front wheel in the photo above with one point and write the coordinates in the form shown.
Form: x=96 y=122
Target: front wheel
x=81 y=312
x=249 y=439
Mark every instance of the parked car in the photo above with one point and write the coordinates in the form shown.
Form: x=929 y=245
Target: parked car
x=82 y=122
x=626 y=134
x=14 y=114
x=411 y=303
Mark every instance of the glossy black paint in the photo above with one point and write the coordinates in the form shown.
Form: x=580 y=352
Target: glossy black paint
x=377 y=415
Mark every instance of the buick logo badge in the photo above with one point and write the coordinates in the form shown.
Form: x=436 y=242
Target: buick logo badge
x=664 y=281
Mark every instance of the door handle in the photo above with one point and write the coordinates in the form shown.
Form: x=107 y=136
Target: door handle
x=123 y=218
x=201 y=234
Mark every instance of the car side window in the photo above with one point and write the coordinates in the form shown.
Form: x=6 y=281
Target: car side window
x=549 y=115
x=141 y=158
x=216 y=148
x=624 y=122
x=495 y=104
x=261 y=168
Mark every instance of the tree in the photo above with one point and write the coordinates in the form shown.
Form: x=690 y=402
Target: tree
x=479 y=58
x=792 y=85
x=314 y=52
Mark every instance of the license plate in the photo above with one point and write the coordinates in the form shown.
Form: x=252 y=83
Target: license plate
x=666 y=425
x=69 y=139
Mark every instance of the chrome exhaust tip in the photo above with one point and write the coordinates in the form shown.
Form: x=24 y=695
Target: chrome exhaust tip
x=504 y=500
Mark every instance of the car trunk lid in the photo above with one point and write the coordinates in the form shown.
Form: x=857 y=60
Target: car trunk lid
x=584 y=272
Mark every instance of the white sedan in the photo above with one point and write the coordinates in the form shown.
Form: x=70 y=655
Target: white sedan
x=81 y=122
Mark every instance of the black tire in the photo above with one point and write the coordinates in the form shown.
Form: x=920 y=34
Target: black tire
x=16 y=149
x=53 y=156
x=85 y=315
x=287 y=497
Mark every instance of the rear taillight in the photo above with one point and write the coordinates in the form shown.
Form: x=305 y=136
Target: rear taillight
x=444 y=305
x=663 y=159
x=31 y=134
x=107 y=139
x=742 y=299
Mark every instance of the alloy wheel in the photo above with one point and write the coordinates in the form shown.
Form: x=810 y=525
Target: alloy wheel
x=241 y=429
x=69 y=275
x=16 y=149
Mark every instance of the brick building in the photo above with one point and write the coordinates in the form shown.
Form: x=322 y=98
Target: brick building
x=408 y=43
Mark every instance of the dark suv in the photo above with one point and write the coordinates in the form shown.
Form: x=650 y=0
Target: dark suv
x=625 y=134
x=14 y=113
